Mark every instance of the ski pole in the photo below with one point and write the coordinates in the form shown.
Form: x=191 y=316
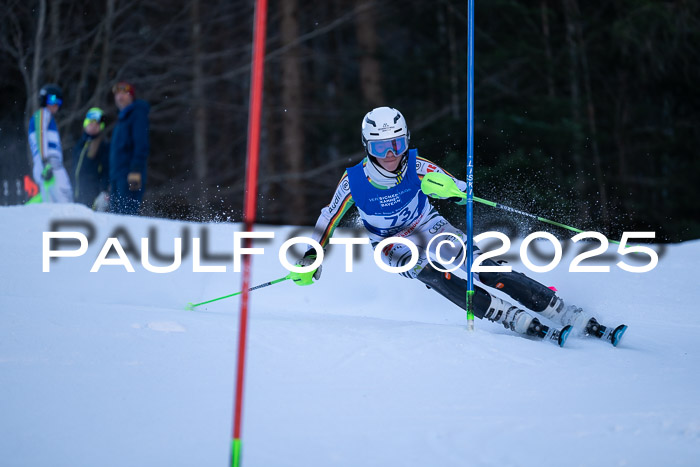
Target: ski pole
x=442 y=186
x=532 y=216
x=191 y=306
x=527 y=214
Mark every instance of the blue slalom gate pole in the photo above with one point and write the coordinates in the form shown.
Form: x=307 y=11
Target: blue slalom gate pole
x=470 y=165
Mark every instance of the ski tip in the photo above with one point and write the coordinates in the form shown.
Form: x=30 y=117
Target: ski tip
x=564 y=334
x=617 y=334
x=189 y=306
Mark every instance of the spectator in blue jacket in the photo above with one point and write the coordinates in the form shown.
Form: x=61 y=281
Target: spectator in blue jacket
x=91 y=161
x=128 y=151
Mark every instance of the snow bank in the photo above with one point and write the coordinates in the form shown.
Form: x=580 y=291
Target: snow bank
x=361 y=368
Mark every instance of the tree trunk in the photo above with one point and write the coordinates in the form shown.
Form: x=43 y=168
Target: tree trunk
x=33 y=92
x=292 y=129
x=544 y=10
x=447 y=31
x=54 y=39
x=200 y=110
x=590 y=108
x=105 y=59
x=370 y=68
x=575 y=100
x=622 y=113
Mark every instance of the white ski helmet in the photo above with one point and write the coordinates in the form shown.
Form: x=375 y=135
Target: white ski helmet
x=387 y=125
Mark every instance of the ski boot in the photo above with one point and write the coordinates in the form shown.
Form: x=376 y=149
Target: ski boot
x=521 y=322
x=560 y=312
x=595 y=329
x=487 y=306
x=583 y=322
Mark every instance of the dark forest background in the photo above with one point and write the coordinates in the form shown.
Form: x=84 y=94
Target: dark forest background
x=586 y=111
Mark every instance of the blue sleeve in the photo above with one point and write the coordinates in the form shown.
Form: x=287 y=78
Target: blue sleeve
x=141 y=143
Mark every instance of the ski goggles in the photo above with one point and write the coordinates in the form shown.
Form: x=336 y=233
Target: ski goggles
x=123 y=87
x=381 y=148
x=53 y=99
x=93 y=115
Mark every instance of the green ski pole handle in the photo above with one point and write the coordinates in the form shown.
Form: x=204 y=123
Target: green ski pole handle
x=441 y=186
x=191 y=306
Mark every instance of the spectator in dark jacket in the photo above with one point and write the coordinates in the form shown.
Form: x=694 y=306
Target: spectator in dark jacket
x=128 y=151
x=91 y=161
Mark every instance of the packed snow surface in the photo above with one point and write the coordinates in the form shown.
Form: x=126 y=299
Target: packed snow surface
x=364 y=368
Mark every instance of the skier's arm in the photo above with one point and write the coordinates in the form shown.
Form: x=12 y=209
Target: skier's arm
x=53 y=151
x=103 y=154
x=141 y=141
x=332 y=214
x=424 y=166
x=34 y=137
x=323 y=231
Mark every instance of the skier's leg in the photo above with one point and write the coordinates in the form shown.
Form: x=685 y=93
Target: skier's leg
x=525 y=290
x=61 y=191
x=534 y=295
x=487 y=306
x=544 y=301
x=530 y=293
x=398 y=255
x=36 y=173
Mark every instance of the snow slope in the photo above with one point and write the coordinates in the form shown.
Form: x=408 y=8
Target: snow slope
x=362 y=368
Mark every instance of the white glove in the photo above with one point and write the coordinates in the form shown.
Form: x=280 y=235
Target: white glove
x=101 y=203
x=308 y=261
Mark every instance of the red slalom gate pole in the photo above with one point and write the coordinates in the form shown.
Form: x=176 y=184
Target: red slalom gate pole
x=251 y=193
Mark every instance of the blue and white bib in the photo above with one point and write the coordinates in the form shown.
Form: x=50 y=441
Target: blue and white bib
x=392 y=211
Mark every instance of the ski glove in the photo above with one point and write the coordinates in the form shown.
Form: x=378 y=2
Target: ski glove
x=306 y=278
x=47 y=173
x=442 y=186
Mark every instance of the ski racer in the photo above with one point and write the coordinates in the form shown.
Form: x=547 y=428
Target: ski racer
x=47 y=154
x=386 y=188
